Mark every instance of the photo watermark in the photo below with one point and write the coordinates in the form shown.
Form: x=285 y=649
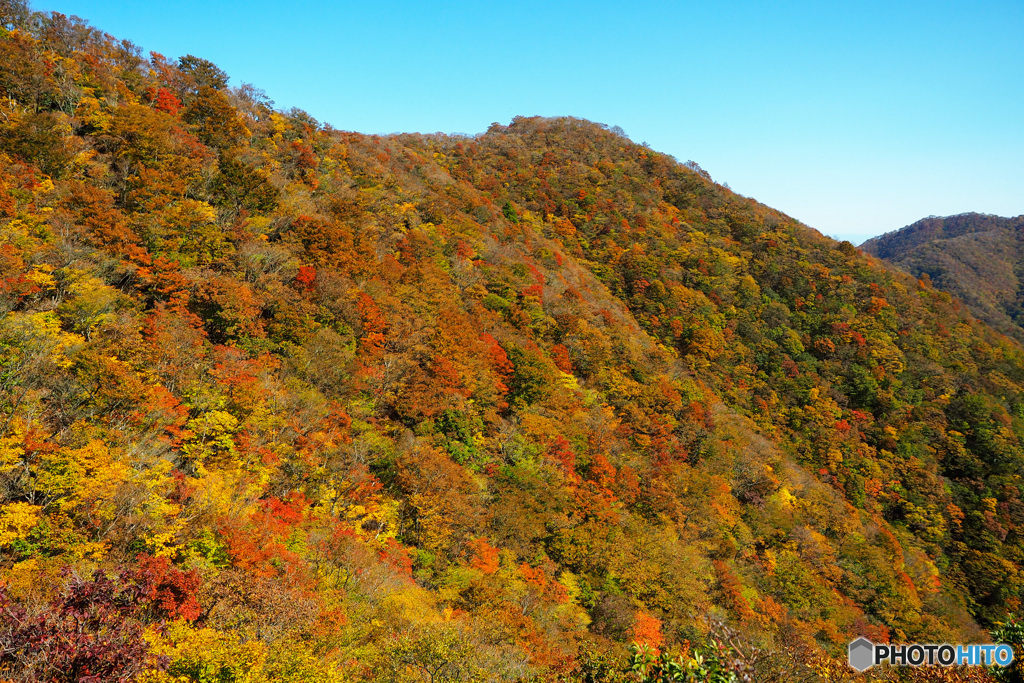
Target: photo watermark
x=863 y=654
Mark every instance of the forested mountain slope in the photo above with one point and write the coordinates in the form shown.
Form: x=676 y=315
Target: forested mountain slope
x=977 y=258
x=281 y=402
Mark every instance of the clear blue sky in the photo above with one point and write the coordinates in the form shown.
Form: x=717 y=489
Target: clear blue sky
x=854 y=117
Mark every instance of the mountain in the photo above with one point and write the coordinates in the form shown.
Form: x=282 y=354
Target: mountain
x=281 y=402
x=976 y=257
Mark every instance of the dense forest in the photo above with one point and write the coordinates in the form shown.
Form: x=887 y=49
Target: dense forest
x=976 y=257
x=285 y=403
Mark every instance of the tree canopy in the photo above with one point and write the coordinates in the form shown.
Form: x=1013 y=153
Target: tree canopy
x=284 y=403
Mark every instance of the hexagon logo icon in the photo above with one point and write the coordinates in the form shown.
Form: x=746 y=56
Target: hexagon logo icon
x=862 y=654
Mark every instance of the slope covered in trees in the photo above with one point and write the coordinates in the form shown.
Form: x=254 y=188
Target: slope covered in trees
x=286 y=403
x=975 y=257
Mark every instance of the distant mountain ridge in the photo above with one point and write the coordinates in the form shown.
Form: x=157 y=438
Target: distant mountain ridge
x=283 y=403
x=979 y=258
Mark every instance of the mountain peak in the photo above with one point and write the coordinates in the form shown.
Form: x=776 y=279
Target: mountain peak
x=289 y=403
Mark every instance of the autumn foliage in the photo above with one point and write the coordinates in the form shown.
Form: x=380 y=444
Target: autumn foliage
x=284 y=403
